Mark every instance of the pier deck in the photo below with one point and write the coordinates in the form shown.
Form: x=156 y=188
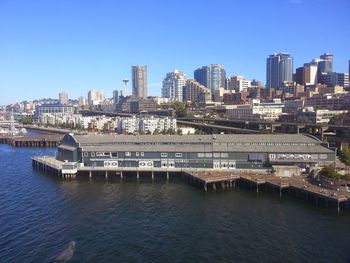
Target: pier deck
x=205 y=178
x=41 y=140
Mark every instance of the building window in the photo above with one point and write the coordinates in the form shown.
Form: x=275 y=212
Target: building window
x=323 y=156
x=127 y=153
x=178 y=155
x=163 y=155
x=217 y=155
x=200 y=155
x=209 y=155
x=224 y=155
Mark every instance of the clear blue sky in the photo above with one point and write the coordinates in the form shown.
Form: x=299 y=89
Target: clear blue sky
x=70 y=45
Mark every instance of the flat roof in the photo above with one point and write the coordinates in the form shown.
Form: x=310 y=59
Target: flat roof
x=262 y=143
x=224 y=138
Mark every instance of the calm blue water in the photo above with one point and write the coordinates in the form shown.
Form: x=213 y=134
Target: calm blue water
x=130 y=221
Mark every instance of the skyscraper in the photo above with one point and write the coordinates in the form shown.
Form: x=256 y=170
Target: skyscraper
x=212 y=76
x=325 y=64
x=279 y=69
x=306 y=75
x=139 y=81
x=63 y=98
x=115 y=96
x=173 y=85
x=95 y=97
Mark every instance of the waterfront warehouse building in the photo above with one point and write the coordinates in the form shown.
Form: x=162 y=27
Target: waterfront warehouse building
x=177 y=152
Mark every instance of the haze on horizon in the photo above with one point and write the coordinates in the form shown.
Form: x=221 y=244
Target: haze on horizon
x=74 y=46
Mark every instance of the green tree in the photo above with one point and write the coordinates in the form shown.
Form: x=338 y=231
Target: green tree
x=180 y=109
x=345 y=156
x=27 y=120
x=330 y=172
x=346 y=177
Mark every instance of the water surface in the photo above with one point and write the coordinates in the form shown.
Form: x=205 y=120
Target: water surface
x=160 y=221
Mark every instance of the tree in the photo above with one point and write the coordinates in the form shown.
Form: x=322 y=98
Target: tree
x=346 y=177
x=180 y=109
x=27 y=120
x=345 y=156
x=330 y=172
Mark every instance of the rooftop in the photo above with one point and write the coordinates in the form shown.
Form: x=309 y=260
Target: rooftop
x=224 y=138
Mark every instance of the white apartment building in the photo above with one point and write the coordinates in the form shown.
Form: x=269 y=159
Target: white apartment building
x=145 y=124
x=309 y=114
x=127 y=125
x=257 y=110
x=173 y=85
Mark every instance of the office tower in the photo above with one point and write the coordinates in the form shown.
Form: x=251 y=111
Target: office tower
x=237 y=83
x=95 y=97
x=334 y=78
x=325 y=64
x=256 y=83
x=306 y=75
x=63 y=98
x=82 y=101
x=126 y=91
x=279 y=69
x=115 y=96
x=139 y=81
x=212 y=76
x=173 y=85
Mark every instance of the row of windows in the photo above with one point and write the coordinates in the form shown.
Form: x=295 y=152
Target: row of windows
x=101 y=154
x=266 y=143
x=215 y=143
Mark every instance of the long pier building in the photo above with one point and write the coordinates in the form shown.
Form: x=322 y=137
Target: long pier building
x=269 y=161
x=217 y=152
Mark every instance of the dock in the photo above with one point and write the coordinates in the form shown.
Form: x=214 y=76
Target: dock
x=41 y=140
x=298 y=186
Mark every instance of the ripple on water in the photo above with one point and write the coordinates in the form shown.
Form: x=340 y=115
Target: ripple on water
x=130 y=221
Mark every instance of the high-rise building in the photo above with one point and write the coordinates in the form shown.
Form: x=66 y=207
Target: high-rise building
x=95 y=97
x=82 y=101
x=325 y=64
x=212 y=76
x=306 y=75
x=63 y=98
x=279 y=69
x=115 y=96
x=173 y=85
x=237 y=83
x=334 y=79
x=139 y=81
x=196 y=92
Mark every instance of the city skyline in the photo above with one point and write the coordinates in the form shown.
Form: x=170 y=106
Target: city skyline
x=47 y=48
